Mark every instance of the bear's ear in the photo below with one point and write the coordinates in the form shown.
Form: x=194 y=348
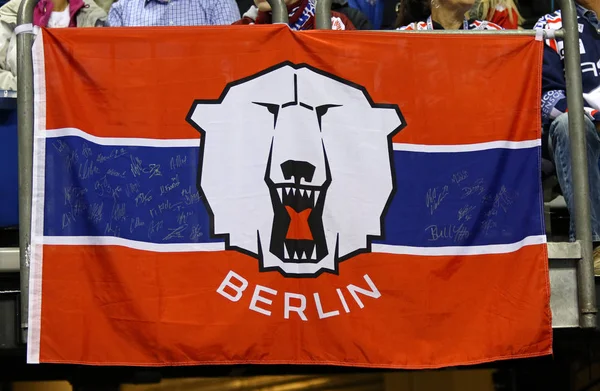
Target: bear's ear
x=193 y=117
x=389 y=119
x=204 y=115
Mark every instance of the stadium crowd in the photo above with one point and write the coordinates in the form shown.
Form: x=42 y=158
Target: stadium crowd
x=367 y=15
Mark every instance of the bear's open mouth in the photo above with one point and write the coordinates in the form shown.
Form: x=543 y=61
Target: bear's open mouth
x=297 y=224
x=297 y=234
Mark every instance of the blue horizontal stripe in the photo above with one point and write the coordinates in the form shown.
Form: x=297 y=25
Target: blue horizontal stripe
x=139 y=193
x=149 y=194
x=465 y=199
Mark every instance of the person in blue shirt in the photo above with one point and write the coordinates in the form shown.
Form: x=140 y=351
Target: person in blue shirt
x=372 y=9
x=554 y=109
x=358 y=19
x=173 y=13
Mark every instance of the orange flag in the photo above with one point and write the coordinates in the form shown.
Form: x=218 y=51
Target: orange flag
x=230 y=195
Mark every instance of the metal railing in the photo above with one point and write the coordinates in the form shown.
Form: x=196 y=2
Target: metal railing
x=581 y=187
x=323 y=15
x=278 y=11
x=25 y=134
x=570 y=34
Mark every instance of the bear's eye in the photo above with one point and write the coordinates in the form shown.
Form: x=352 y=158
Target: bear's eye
x=273 y=109
x=322 y=110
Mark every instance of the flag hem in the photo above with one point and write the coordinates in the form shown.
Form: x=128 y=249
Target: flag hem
x=37 y=203
x=545 y=352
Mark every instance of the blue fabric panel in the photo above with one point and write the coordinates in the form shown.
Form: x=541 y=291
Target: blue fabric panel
x=139 y=193
x=468 y=198
x=149 y=194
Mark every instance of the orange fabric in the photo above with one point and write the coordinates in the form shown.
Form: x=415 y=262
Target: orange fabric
x=143 y=308
x=112 y=305
x=299 y=228
x=440 y=72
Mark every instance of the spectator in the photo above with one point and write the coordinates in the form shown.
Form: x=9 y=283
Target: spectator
x=244 y=5
x=504 y=13
x=173 y=12
x=372 y=9
x=301 y=15
x=390 y=14
x=47 y=13
x=554 y=110
x=439 y=15
x=104 y=4
x=358 y=19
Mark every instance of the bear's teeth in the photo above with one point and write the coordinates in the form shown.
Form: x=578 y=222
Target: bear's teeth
x=286 y=255
x=302 y=192
x=313 y=256
x=295 y=255
x=303 y=255
x=316 y=196
x=308 y=193
x=293 y=191
x=280 y=191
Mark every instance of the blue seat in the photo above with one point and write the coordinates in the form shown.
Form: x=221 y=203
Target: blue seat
x=9 y=185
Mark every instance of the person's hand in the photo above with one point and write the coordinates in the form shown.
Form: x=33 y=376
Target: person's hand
x=593 y=98
x=264 y=6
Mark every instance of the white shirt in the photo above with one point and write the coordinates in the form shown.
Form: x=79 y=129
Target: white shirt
x=60 y=19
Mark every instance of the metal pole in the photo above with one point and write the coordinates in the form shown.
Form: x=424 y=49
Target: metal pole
x=579 y=167
x=323 y=15
x=278 y=11
x=25 y=132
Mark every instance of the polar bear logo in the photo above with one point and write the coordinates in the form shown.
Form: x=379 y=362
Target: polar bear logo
x=296 y=168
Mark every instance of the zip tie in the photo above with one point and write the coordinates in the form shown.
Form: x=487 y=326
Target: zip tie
x=539 y=34
x=26 y=28
x=550 y=34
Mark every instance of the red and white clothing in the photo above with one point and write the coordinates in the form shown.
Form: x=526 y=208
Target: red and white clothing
x=301 y=17
x=502 y=17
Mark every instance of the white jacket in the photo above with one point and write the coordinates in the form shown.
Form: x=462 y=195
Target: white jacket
x=89 y=16
x=8 y=45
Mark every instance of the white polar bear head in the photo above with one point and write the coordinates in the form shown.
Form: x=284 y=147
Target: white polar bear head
x=296 y=167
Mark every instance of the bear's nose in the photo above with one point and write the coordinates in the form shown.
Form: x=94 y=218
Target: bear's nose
x=297 y=170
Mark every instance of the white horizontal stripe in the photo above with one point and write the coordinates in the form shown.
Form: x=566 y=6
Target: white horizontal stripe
x=114 y=241
x=124 y=141
x=195 y=142
x=376 y=248
x=459 y=250
x=468 y=147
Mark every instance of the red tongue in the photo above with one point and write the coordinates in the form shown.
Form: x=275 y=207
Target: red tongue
x=298 y=228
